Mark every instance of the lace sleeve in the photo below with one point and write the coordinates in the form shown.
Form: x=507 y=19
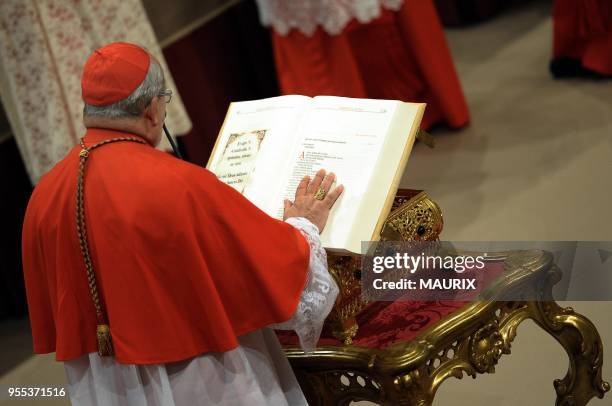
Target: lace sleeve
x=319 y=293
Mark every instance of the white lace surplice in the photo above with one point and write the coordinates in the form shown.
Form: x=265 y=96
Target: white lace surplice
x=331 y=15
x=255 y=373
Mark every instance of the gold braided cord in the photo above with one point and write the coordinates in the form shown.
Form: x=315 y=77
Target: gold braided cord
x=105 y=346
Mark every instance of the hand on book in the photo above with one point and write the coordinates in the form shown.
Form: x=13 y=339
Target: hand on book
x=310 y=204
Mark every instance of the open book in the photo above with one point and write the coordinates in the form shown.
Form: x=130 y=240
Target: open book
x=267 y=146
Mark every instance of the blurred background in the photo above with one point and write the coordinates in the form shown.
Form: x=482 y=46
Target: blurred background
x=519 y=105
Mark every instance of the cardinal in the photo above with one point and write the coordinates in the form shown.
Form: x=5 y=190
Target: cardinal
x=153 y=281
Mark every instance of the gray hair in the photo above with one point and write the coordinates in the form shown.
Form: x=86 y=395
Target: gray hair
x=135 y=104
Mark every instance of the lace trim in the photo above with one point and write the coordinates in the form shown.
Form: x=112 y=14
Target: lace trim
x=331 y=15
x=319 y=294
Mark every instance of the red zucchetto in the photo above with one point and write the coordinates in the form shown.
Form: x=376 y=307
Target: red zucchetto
x=113 y=72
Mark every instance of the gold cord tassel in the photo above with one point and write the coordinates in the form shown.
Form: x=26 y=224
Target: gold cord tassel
x=105 y=342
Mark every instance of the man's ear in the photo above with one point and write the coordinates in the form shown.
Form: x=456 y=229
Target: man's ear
x=151 y=114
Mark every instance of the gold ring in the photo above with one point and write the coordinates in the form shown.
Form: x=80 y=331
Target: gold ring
x=320 y=193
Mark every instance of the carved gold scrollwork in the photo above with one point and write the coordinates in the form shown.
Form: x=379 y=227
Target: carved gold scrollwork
x=469 y=341
x=417 y=218
x=581 y=341
x=486 y=348
x=413 y=217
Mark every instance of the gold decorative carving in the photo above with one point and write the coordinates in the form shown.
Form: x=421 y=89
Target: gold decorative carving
x=413 y=217
x=468 y=341
x=486 y=348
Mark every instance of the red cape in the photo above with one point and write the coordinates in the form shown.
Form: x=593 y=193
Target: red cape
x=583 y=30
x=185 y=264
x=400 y=55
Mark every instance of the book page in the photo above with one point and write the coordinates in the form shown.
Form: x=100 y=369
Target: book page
x=238 y=159
x=376 y=202
x=344 y=136
x=252 y=153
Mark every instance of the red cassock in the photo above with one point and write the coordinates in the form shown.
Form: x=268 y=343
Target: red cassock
x=583 y=31
x=184 y=263
x=401 y=55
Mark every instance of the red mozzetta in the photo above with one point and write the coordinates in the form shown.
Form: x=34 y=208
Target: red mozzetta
x=184 y=263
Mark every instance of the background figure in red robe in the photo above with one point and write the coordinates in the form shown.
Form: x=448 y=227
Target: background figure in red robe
x=582 y=38
x=392 y=50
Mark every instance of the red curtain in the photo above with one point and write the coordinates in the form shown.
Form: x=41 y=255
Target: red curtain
x=583 y=31
x=401 y=55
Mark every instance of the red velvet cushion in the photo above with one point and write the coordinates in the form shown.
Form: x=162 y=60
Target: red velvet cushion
x=385 y=323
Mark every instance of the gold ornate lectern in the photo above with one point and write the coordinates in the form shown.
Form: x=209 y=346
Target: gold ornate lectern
x=396 y=368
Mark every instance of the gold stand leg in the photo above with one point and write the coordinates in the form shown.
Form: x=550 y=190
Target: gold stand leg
x=581 y=341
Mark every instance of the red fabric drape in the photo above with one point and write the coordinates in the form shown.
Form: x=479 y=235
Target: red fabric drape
x=401 y=55
x=583 y=31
